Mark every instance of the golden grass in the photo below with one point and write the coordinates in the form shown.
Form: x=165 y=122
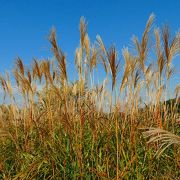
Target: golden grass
x=85 y=129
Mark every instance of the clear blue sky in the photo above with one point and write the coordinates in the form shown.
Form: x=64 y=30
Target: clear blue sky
x=25 y=24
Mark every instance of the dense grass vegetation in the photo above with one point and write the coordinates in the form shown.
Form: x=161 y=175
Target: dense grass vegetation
x=119 y=126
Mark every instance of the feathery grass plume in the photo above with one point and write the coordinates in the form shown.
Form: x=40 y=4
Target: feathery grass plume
x=83 y=31
x=9 y=86
x=87 y=46
x=158 y=43
x=159 y=93
x=104 y=63
x=163 y=137
x=54 y=74
x=4 y=86
x=130 y=64
x=20 y=65
x=101 y=44
x=29 y=76
x=171 y=45
x=166 y=43
x=79 y=66
x=114 y=64
x=159 y=53
x=103 y=54
x=136 y=78
x=21 y=80
x=59 y=56
x=36 y=71
x=93 y=59
x=78 y=61
x=45 y=68
x=93 y=63
x=85 y=51
x=142 y=47
x=177 y=91
x=170 y=72
x=3 y=83
x=149 y=76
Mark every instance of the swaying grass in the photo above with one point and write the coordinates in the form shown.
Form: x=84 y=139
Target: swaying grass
x=93 y=128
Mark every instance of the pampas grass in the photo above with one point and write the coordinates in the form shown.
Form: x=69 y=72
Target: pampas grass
x=93 y=128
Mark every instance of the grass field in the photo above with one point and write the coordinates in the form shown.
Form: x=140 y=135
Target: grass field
x=119 y=126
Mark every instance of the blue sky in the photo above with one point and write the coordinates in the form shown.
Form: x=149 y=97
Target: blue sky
x=25 y=24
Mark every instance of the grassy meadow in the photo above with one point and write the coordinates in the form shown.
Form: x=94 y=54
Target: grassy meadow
x=121 y=125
